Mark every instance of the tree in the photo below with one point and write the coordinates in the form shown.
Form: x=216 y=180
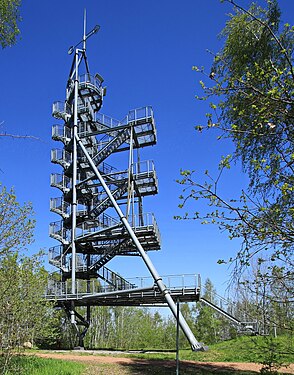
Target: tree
x=9 y=18
x=251 y=82
x=208 y=324
x=24 y=315
x=16 y=223
x=250 y=89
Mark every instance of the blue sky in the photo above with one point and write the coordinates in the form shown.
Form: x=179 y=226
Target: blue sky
x=145 y=51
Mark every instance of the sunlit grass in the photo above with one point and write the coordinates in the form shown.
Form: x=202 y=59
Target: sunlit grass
x=242 y=349
x=31 y=365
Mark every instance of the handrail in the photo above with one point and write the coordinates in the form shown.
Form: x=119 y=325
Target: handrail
x=60 y=180
x=61 y=131
x=61 y=107
x=137 y=222
x=133 y=115
x=63 y=289
x=88 y=78
x=60 y=155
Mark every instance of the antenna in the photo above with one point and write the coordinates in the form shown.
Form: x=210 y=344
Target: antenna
x=85 y=36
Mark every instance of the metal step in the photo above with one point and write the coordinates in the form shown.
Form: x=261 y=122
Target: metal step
x=114 y=279
x=109 y=255
x=111 y=146
x=102 y=206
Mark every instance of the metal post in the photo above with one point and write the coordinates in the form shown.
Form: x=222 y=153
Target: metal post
x=177 y=339
x=74 y=182
x=157 y=279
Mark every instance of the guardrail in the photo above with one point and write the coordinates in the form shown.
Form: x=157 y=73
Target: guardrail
x=136 y=221
x=60 y=181
x=61 y=109
x=61 y=156
x=58 y=289
x=61 y=132
x=88 y=78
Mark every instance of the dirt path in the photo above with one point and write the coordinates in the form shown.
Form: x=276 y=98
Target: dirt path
x=215 y=367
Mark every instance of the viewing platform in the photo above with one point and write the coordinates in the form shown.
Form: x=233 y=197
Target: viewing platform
x=185 y=288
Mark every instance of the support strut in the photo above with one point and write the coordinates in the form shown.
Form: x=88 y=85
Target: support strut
x=195 y=345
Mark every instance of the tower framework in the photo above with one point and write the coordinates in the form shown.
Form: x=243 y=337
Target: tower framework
x=101 y=206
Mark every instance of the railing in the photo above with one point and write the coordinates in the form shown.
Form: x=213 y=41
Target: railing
x=136 y=221
x=55 y=252
x=106 y=168
x=171 y=281
x=225 y=304
x=235 y=311
x=133 y=115
x=144 y=220
x=140 y=114
x=61 y=132
x=56 y=258
x=60 y=206
x=103 y=221
x=115 y=279
x=91 y=151
x=61 y=109
x=61 y=156
x=107 y=120
x=136 y=115
x=145 y=166
x=60 y=181
x=64 y=289
x=56 y=230
x=88 y=78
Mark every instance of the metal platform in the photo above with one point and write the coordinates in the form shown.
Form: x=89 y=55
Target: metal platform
x=137 y=291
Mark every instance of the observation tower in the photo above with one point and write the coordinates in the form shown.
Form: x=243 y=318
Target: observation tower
x=100 y=204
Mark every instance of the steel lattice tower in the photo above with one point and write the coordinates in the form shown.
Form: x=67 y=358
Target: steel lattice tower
x=101 y=206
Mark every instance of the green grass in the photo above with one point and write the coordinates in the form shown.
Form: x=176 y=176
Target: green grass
x=242 y=349
x=30 y=365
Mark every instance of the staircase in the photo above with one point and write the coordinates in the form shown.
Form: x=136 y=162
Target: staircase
x=227 y=309
x=109 y=255
x=114 y=279
x=102 y=206
x=112 y=145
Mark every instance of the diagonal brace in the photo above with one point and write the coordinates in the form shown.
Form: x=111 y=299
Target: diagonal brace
x=195 y=345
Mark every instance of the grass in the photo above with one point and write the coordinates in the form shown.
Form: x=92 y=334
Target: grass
x=242 y=349
x=30 y=365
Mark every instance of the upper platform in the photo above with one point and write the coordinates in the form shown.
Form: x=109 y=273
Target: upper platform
x=140 y=119
x=91 y=95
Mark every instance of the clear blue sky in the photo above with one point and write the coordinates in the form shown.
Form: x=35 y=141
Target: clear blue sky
x=144 y=50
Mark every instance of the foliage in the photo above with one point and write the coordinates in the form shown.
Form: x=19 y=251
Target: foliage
x=110 y=328
x=270 y=354
x=208 y=323
x=60 y=333
x=250 y=91
x=9 y=15
x=16 y=223
x=23 y=314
